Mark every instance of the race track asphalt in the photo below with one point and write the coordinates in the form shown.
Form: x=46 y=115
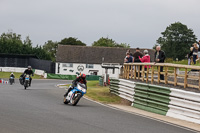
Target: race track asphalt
x=40 y=109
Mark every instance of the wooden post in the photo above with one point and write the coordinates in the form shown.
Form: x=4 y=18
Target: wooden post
x=143 y=73
x=128 y=71
x=152 y=74
x=175 y=77
x=185 y=78
x=138 y=72
x=131 y=71
x=147 y=75
x=158 y=74
x=124 y=72
x=166 y=73
x=135 y=72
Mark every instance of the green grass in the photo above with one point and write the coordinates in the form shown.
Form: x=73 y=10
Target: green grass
x=182 y=62
x=101 y=94
x=17 y=75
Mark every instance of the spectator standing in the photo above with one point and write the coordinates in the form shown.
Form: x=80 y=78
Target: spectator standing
x=160 y=58
x=195 y=53
x=190 y=56
x=145 y=58
x=198 y=50
x=129 y=51
x=136 y=55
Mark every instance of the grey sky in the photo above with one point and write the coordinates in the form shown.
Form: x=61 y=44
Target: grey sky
x=136 y=22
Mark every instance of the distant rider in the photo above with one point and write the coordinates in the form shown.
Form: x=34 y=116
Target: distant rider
x=81 y=79
x=13 y=76
x=28 y=71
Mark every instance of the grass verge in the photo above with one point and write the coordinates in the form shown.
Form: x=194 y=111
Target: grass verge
x=17 y=75
x=101 y=94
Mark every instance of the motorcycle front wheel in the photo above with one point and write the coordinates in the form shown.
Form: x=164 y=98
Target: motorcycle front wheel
x=76 y=100
x=25 y=85
x=65 y=101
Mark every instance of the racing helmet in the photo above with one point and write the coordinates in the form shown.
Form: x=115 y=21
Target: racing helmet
x=29 y=67
x=83 y=76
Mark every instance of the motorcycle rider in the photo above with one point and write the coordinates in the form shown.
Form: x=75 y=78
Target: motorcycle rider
x=28 y=71
x=12 y=75
x=81 y=79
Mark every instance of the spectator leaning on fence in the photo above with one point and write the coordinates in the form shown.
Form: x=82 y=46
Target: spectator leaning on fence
x=195 y=52
x=128 y=58
x=145 y=58
x=159 y=57
x=136 y=55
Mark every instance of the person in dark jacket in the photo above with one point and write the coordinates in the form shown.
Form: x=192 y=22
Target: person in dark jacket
x=28 y=71
x=159 y=57
x=81 y=79
x=136 y=55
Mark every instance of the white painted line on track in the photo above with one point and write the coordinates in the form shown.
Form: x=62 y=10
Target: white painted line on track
x=189 y=129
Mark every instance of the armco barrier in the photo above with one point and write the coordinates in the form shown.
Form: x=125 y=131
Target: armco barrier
x=21 y=70
x=92 y=77
x=122 y=88
x=157 y=99
x=59 y=76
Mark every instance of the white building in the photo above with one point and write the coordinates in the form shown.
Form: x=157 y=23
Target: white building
x=89 y=60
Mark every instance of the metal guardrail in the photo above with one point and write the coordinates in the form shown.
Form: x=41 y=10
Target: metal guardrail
x=134 y=70
x=166 y=101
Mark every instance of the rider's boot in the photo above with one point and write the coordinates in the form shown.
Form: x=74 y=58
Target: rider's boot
x=68 y=91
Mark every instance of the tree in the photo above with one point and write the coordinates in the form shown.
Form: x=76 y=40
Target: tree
x=51 y=48
x=41 y=53
x=106 y=42
x=123 y=45
x=176 y=40
x=11 y=43
x=71 y=41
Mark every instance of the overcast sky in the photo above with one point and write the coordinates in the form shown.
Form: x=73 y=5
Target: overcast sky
x=136 y=22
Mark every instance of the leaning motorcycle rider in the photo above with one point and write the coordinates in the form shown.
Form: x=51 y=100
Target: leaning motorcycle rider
x=28 y=71
x=81 y=79
x=13 y=76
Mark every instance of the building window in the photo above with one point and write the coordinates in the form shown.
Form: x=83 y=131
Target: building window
x=89 y=66
x=67 y=65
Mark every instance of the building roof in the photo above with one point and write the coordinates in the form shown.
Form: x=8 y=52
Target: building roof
x=93 y=55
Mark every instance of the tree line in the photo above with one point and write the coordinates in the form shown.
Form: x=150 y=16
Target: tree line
x=175 y=41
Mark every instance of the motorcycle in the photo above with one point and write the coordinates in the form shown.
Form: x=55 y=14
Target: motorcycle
x=11 y=80
x=27 y=81
x=75 y=94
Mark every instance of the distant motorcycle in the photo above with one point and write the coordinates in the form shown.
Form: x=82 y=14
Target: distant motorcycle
x=21 y=81
x=11 y=80
x=27 y=81
x=75 y=94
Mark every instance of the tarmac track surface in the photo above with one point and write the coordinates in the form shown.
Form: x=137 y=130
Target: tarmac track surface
x=40 y=109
